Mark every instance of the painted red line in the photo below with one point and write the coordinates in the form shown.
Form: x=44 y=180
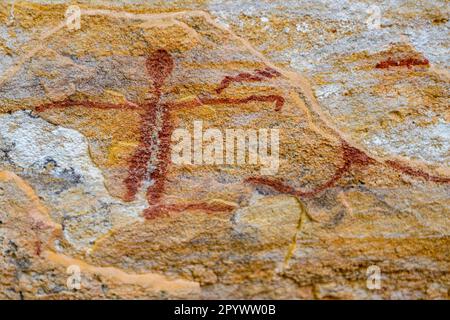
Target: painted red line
x=416 y=172
x=138 y=163
x=407 y=62
x=351 y=156
x=258 y=76
x=158 y=175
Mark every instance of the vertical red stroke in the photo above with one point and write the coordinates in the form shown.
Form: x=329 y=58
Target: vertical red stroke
x=159 y=67
x=138 y=163
x=158 y=175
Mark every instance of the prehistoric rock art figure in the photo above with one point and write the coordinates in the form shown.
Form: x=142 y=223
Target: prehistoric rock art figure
x=351 y=157
x=157 y=127
x=156 y=130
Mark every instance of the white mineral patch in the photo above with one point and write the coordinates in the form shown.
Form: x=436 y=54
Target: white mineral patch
x=36 y=142
x=434 y=146
x=42 y=152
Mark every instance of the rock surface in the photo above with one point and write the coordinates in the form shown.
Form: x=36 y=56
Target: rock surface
x=88 y=188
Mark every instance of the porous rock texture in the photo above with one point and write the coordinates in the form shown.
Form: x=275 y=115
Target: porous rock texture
x=86 y=178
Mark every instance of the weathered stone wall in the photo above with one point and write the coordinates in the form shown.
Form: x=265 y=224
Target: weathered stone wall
x=358 y=90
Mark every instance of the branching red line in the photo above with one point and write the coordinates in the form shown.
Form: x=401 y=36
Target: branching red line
x=351 y=156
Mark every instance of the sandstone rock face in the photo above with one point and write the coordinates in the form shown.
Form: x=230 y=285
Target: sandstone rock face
x=93 y=206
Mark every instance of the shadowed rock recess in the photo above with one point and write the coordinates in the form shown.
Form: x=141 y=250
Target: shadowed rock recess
x=89 y=191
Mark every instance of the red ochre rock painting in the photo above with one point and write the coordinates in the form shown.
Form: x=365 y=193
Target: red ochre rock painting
x=257 y=76
x=159 y=66
x=406 y=62
x=351 y=156
x=335 y=209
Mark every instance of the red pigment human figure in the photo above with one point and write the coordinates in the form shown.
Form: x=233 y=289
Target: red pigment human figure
x=156 y=130
x=157 y=127
x=161 y=65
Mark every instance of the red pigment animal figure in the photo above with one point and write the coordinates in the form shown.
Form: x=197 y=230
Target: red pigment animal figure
x=156 y=131
x=351 y=157
x=157 y=119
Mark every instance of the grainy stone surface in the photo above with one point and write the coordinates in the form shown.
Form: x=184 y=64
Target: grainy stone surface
x=86 y=178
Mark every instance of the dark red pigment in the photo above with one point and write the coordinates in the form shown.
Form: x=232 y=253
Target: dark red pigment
x=416 y=172
x=159 y=67
x=407 y=62
x=351 y=156
x=38 y=246
x=258 y=75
